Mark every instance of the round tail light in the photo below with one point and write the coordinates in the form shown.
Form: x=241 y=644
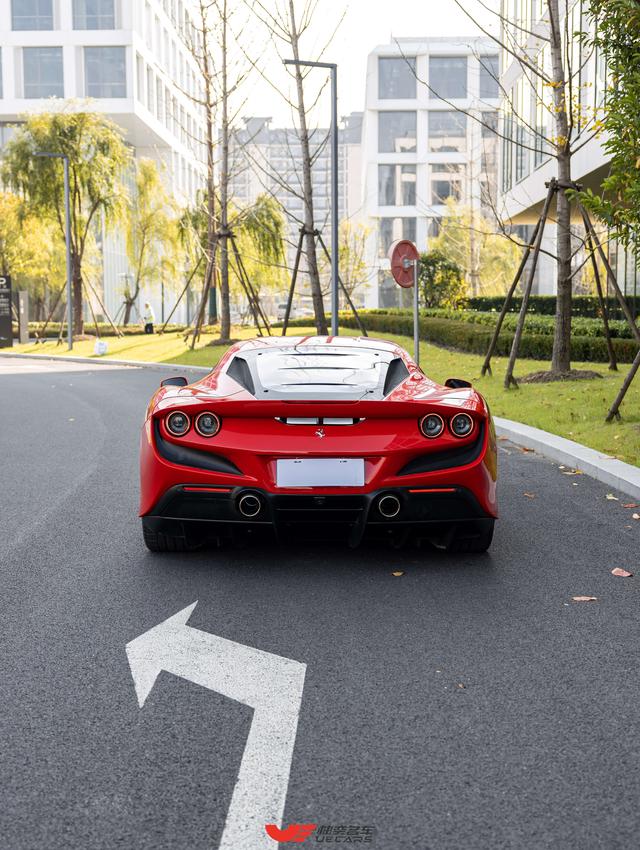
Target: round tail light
x=177 y=423
x=461 y=425
x=207 y=424
x=432 y=425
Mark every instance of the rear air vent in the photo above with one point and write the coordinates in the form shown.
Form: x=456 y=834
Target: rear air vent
x=396 y=373
x=240 y=372
x=196 y=459
x=449 y=458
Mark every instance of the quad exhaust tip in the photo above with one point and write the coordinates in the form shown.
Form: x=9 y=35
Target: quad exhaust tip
x=249 y=505
x=389 y=505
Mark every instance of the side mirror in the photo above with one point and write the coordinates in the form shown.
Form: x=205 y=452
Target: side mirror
x=174 y=382
x=456 y=383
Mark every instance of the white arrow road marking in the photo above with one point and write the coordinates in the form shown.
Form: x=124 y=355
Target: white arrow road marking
x=270 y=684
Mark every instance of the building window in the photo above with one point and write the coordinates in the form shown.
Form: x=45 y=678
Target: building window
x=448 y=76
x=395 y=228
x=489 y=125
x=42 y=72
x=396 y=185
x=94 y=15
x=105 y=72
x=32 y=14
x=446 y=182
x=434 y=226
x=396 y=77
x=139 y=78
x=447 y=132
x=396 y=132
x=489 y=75
x=151 y=92
x=8 y=130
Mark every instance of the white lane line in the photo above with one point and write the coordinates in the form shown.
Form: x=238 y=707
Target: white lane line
x=270 y=684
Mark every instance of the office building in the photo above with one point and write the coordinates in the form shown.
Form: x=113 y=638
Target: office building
x=127 y=60
x=428 y=136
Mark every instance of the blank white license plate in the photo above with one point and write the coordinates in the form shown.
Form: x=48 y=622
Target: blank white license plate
x=320 y=472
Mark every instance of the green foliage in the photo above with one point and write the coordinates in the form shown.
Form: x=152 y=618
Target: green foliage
x=27 y=246
x=487 y=259
x=98 y=159
x=617 y=39
x=152 y=234
x=581 y=305
x=260 y=231
x=475 y=338
x=37 y=330
x=441 y=280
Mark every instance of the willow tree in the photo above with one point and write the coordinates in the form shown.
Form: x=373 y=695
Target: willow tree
x=152 y=233
x=28 y=251
x=260 y=234
x=98 y=159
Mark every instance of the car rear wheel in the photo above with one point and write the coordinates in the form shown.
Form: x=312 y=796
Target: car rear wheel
x=156 y=541
x=480 y=542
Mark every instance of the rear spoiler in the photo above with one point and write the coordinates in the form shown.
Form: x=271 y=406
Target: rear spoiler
x=449 y=401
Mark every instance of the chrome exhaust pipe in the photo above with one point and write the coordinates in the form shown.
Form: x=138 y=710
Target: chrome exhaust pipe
x=389 y=505
x=249 y=505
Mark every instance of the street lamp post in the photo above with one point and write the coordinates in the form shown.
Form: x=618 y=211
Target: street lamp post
x=334 y=182
x=67 y=227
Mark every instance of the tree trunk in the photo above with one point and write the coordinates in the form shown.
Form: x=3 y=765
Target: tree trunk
x=225 y=310
x=210 y=272
x=307 y=189
x=561 y=357
x=78 y=318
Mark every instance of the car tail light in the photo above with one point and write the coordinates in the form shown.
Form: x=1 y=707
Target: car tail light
x=207 y=424
x=461 y=425
x=177 y=423
x=432 y=425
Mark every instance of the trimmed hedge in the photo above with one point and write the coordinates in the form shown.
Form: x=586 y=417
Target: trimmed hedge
x=545 y=305
x=581 y=326
x=475 y=338
x=105 y=329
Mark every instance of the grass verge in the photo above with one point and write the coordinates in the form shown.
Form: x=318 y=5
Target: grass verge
x=574 y=409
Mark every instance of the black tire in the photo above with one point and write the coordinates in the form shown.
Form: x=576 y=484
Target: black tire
x=156 y=541
x=478 y=543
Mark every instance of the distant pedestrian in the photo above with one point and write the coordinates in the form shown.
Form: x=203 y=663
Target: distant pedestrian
x=149 y=318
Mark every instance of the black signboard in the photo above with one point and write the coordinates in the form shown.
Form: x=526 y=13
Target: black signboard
x=6 y=334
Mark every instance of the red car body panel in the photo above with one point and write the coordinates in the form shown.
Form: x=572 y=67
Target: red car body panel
x=254 y=435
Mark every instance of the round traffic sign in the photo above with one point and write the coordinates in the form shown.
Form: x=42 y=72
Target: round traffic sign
x=402 y=255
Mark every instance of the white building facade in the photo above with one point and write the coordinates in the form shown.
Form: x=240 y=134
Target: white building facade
x=428 y=135
x=525 y=164
x=125 y=59
x=268 y=160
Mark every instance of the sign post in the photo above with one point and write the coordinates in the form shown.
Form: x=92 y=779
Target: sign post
x=6 y=331
x=23 y=316
x=404 y=258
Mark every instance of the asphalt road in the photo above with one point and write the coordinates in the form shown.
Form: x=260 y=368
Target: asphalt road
x=468 y=703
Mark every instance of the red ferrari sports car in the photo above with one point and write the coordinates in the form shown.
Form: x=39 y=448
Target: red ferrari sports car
x=319 y=435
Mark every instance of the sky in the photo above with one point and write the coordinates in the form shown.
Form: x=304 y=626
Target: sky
x=367 y=23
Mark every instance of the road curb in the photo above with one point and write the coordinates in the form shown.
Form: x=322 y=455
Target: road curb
x=609 y=470
x=615 y=473
x=140 y=364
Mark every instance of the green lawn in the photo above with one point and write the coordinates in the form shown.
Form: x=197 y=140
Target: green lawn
x=575 y=410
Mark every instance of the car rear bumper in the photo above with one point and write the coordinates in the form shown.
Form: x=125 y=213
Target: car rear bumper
x=200 y=512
